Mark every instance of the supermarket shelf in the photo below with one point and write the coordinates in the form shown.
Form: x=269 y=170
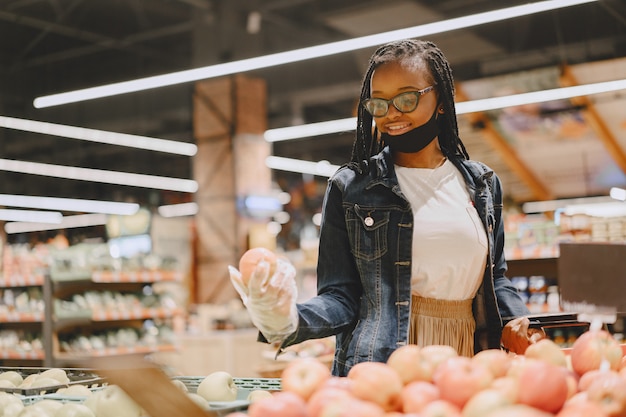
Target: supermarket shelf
x=21 y=317
x=18 y=280
x=138 y=276
x=22 y=355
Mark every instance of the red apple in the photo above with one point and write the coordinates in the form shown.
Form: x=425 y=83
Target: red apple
x=587 y=378
x=250 y=259
x=609 y=391
x=459 y=378
x=548 y=351
x=508 y=386
x=496 y=360
x=377 y=382
x=417 y=394
x=594 y=347
x=338 y=382
x=304 y=376
x=436 y=355
x=323 y=397
x=281 y=404
x=543 y=386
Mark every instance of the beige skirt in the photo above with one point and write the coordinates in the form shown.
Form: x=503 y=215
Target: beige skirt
x=443 y=322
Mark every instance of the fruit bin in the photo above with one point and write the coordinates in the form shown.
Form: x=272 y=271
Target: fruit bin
x=244 y=385
x=76 y=376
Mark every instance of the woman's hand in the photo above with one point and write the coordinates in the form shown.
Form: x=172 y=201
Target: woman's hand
x=517 y=335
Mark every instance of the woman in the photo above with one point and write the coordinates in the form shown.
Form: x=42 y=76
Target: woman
x=411 y=240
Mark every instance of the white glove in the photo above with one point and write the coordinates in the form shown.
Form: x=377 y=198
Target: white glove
x=270 y=300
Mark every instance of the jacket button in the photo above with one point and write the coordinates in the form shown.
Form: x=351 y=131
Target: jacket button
x=369 y=221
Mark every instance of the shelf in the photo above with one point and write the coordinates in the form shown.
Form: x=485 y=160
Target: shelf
x=22 y=355
x=139 y=276
x=547 y=267
x=135 y=314
x=18 y=317
x=21 y=281
x=115 y=351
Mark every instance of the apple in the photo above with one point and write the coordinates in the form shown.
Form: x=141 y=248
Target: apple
x=71 y=409
x=218 y=386
x=13 y=376
x=508 y=386
x=323 y=397
x=518 y=410
x=409 y=363
x=459 y=378
x=496 y=360
x=352 y=407
x=338 y=382
x=5 y=383
x=282 y=404
x=548 y=351
x=199 y=400
x=441 y=408
x=304 y=376
x=609 y=391
x=417 y=394
x=587 y=378
x=50 y=407
x=594 y=347
x=436 y=355
x=43 y=382
x=543 y=386
x=28 y=380
x=10 y=404
x=250 y=259
x=584 y=408
x=257 y=394
x=377 y=382
x=32 y=411
x=78 y=390
x=485 y=401
x=180 y=385
x=113 y=401
x=57 y=374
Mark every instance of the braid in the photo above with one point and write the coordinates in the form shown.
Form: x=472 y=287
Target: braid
x=413 y=52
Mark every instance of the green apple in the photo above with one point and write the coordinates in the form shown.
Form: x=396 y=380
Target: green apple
x=74 y=410
x=48 y=406
x=13 y=376
x=257 y=394
x=57 y=374
x=114 y=402
x=218 y=386
x=10 y=404
x=78 y=390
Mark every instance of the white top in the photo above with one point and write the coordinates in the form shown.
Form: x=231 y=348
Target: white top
x=449 y=241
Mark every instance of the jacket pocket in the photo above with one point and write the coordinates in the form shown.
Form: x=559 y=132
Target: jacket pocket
x=367 y=228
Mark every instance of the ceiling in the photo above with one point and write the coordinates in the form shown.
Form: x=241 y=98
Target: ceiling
x=50 y=46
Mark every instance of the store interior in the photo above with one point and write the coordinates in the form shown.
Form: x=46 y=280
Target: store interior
x=156 y=283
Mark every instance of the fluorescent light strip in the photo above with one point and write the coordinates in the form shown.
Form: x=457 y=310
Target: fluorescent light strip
x=552 y=205
x=68 y=204
x=68 y=222
x=349 y=124
x=178 y=210
x=100 y=136
x=618 y=193
x=300 y=54
x=321 y=168
x=98 y=175
x=31 y=216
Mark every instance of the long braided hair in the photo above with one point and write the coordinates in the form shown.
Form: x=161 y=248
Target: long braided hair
x=415 y=53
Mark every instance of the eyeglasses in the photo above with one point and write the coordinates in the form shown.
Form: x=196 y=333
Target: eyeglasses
x=404 y=102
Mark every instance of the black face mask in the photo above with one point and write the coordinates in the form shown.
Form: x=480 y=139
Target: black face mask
x=414 y=140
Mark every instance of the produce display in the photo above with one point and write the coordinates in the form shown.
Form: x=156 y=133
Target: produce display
x=587 y=380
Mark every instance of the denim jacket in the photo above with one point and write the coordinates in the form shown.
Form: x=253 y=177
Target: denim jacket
x=364 y=267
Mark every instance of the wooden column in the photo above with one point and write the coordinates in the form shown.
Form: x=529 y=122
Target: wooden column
x=230 y=116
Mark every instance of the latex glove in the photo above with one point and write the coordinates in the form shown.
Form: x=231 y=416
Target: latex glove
x=517 y=335
x=270 y=299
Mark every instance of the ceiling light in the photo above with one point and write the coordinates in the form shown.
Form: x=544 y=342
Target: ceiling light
x=100 y=136
x=618 y=193
x=31 y=216
x=302 y=54
x=349 y=124
x=178 y=210
x=68 y=204
x=68 y=222
x=321 y=168
x=98 y=175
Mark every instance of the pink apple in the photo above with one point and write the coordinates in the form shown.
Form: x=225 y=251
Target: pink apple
x=377 y=382
x=441 y=408
x=436 y=355
x=351 y=407
x=323 y=397
x=304 y=376
x=584 y=408
x=543 y=386
x=484 y=402
x=281 y=404
x=508 y=386
x=609 y=391
x=459 y=378
x=518 y=410
x=547 y=351
x=496 y=360
x=410 y=364
x=417 y=394
x=592 y=348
